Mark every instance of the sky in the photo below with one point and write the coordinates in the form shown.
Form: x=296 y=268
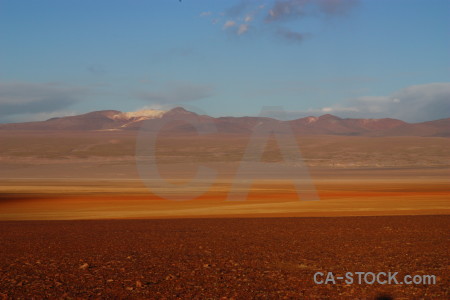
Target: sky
x=350 y=58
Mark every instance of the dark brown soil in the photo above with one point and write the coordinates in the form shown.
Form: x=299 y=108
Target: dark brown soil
x=264 y=258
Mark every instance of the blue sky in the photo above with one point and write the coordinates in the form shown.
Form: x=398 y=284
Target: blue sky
x=377 y=58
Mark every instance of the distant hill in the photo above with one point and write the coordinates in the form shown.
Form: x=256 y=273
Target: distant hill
x=113 y=120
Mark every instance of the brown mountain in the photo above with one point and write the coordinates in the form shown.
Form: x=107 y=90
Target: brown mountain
x=96 y=120
x=329 y=124
x=431 y=128
x=113 y=120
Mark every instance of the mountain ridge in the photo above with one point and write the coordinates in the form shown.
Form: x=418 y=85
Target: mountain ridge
x=114 y=120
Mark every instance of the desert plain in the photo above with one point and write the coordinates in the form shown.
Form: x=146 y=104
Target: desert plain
x=78 y=220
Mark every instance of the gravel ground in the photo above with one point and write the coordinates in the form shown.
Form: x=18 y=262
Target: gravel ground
x=262 y=258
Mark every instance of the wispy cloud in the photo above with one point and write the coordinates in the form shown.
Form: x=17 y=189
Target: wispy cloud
x=291 y=35
x=243 y=28
x=42 y=116
x=239 y=8
x=229 y=24
x=97 y=69
x=415 y=103
x=282 y=10
x=19 y=98
x=176 y=92
x=273 y=16
x=205 y=13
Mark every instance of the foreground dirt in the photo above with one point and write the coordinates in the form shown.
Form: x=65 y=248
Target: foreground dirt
x=265 y=258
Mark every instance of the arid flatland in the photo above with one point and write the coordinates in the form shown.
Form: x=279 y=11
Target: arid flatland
x=77 y=221
x=92 y=175
x=263 y=258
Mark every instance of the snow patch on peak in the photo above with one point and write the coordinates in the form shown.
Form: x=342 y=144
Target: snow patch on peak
x=311 y=119
x=142 y=114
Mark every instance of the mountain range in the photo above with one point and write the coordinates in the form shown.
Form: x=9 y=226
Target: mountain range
x=113 y=120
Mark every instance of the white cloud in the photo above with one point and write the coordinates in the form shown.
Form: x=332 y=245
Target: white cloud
x=417 y=103
x=242 y=29
x=269 y=17
x=414 y=104
x=229 y=24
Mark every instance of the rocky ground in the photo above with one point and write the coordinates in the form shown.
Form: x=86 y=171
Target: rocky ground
x=263 y=258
